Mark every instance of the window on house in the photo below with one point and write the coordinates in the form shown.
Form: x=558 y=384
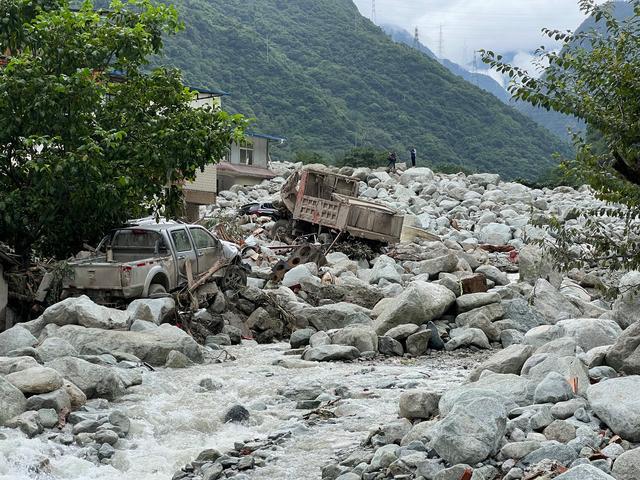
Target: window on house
x=246 y=153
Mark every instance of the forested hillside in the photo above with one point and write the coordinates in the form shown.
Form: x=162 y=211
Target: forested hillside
x=328 y=79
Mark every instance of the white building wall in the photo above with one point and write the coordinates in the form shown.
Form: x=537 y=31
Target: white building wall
x=205 y=181
x=260 y=146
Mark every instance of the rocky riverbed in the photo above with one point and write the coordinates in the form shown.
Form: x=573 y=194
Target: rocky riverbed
x=173 y=418
x=467 y=358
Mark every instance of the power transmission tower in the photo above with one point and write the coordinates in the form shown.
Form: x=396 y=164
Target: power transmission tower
x=475 y=67
x=416 y=39
x=267 y=48
x=373 y=11
x=440 y=43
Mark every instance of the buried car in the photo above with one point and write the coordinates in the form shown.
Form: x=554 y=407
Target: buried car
x=151 y=260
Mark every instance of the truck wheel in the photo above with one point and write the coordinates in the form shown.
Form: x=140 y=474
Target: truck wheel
x=234 y=278
x=157 y=291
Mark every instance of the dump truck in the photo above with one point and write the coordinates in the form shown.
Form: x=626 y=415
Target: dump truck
x=326 y=204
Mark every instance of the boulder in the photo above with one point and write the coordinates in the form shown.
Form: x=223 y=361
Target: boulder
x=54 y=347
x=467 y=337
x=15 y=364
x=586 y=472
x=419 y=404
x=626 y=308
x=300 y=338
x=494 y=274
x=15 y=338
x=418 y=343
x=390 y=346
x=534 y=264
x=553 y=388
x=434 y=266
x=150 y=346
x=484 y=179
x=624 y=354
x=77 y=398
x=12 y=401
x=154 y=310
x=82 y=311
x=471 y=301
x=627 y=465
x=591 y=332
x=524 y=317
x=364 y=339
x=539 y=336
x=35 y=380
x=57 y=400
x=95 y=381
x=319 y=338
x=402 y=332
x=177 y=359
x=332 y=317
x=489 y=312
x=471 y=432
x=299 y=275
x=384 y=269
x=616 y=403
x=509 y=360
x=552 y=304
x=327 y=353
x=416 y=174
x=568 y=367
x=419 y=303
x=495 y=234
x=554 y=451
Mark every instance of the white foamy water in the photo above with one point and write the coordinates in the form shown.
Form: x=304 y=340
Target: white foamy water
x=172 y=422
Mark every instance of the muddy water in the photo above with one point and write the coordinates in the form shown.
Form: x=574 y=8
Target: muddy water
x=173 y=420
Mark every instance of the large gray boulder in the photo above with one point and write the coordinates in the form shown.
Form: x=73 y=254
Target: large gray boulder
x=591 y=332
x=12 y=401
x=626 y=308
x=385 y=268
x=149 y=346
x=568 y=367
x=17 y=337
x=553 y=388
x=617 y=404
x=422 y=404
x=552 y=304
x=54 y=347
x=80 y=311
x=509 y=360
x=534 y=264
x=624 y=354
x=363 y=338
x=433 y=266
x=586 y=472
x=328 y=353
x=472 y=301
x=95 y=381
x=15 y=364
x=523 y=316
x=495 y=234
x=471 y=432
x=627 y=465
x=332 y=317
x=467 y=337
x=154 y=310
x=35 y=380
x=419 y=303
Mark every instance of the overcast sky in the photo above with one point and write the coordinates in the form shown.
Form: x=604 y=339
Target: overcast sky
x=468 y=25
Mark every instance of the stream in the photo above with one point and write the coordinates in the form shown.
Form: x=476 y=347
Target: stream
x=173 y=419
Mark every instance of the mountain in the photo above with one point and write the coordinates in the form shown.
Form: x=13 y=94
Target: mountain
x=486 y=83
x=326 y=78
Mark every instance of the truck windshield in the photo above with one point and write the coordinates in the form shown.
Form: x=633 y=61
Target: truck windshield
x=136 y=238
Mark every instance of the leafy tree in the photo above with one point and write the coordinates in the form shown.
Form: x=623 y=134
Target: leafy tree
x=363 y=157
x=594 y=77
x=81 y=149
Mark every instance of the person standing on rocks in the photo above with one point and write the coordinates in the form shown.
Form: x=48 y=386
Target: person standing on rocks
x=392 y=158
x=414 y=154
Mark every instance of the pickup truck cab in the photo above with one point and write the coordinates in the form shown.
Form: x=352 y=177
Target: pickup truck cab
x=146 y=260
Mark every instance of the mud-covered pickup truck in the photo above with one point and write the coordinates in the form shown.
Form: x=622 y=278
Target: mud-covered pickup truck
x=150 y=260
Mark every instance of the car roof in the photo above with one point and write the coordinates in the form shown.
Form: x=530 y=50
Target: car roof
x=156 y=227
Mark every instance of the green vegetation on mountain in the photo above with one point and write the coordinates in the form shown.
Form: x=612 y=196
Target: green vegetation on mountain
x=329 y=80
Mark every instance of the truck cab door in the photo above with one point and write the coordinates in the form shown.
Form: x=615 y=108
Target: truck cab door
x=184 y=252
x=208 y=248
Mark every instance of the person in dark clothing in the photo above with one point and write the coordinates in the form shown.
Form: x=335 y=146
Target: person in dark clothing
x=392 y=158
x=414 y=154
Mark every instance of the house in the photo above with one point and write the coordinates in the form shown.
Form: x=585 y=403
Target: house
x=247 y=163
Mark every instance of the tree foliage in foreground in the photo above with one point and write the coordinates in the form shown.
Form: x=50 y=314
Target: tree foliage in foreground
x=594 y=77
x=82 y=150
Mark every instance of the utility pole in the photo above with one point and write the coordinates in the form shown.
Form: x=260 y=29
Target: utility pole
x=416 y=39
x=440 y=43
x=373 y=11
x=475 y=67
